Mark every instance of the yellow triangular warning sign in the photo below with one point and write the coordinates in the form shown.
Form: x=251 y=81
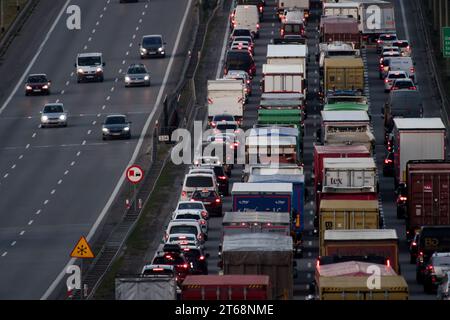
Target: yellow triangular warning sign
x=82 y=250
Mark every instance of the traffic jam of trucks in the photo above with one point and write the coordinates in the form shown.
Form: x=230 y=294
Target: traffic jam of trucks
x=262 y=234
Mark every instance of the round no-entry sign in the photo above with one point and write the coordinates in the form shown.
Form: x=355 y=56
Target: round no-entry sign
x=135 y=174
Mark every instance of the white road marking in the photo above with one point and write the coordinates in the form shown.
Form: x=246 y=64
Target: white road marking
x=4 y=253
x=108 y=97
x=84 y=142
x=123 y=62
x=116 y=80
x=90 y=39
x=38 y=212
x=27 y=146
x=131 y=44
x=13 y=166
x=127 y=53
x=310 y=243
x=45 y=202
x=119 y=184
x=134 y=36
x=309 y=254
x=57 y=100
x=67 y=83
x=72 y=74
x=97 y=23
x=309 y=264
x=101 y=15
x=112 y=89
x=13 y=243
x=20 y=157
x=143 y=13
x=137 y=28
x=6 y=175
x=22 y=233
x=62 y=91
x=94 y=122
x=104 y=9
x=30 y=222
x=32 y=62
x=103 y=108
x=72 y=163
x=140 y=20
x=53 y=192
x=89 y=132
x=66 y=172
x=60 y=181
x=85 y=48
x=98 y=115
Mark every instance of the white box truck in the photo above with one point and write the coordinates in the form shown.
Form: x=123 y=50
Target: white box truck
x=226 y=96
x=358 y=174
x=287 y=54
x=279 y=78
x=417 y=139
x=292 y=4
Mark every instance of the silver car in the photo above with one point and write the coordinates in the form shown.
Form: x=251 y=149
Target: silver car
x=137 y=75
x=53 y=114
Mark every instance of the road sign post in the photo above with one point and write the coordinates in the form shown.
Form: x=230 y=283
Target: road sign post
x=82 y=251
x=446 y=42
x=134 y=174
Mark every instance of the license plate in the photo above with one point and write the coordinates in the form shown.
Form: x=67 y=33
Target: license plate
x=153 y=52
x=116 y=134
x=89 y=76
x=37 y=90
x=206 y=203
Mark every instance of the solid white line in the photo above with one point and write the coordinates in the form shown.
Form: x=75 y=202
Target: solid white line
x=111 y=199
x=30 y=65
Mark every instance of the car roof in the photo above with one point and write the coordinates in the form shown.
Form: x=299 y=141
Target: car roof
x=54 y=104
x=199 y=175
x=184 y=222
x=152 y=36
x=92 y=54
x=134 y=65
x=37 y=75
x=116 y=115
x=188 y=202
x=152 y=266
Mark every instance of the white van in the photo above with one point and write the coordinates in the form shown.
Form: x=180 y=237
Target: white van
x=247 y=17
x=403 y=64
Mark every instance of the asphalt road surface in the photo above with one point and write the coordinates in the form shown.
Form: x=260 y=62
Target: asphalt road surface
x=56 y=182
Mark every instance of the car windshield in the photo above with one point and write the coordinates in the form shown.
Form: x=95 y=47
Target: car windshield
x=388 y=37
x=204 y=194
x=136 y=70
x=248 y=39
x=89 y=61
x=188 y=216
x=397 y=76
x=182 y=238
x=115 y=120
x=57 y=108
x=226 y=126
x=223 y=117
x=158 y=271
x=37 y=79
x=403 y=84
x=199 y=182
x=152 y=41
x=401 y=44
x=190 y=205
x=293 y=28
x=183 y=229
x=168 y=260
x=241 y=32
x=441 y=261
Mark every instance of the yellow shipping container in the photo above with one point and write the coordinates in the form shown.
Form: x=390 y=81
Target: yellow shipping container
x=347 y=215
x=356 y=288
x=343 y=73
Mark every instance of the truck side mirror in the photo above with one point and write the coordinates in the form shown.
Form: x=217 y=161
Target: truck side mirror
x=103 y=64
x=75 y=65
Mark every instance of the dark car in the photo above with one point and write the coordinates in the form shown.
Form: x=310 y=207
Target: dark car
x=172 y=255
x=158 y=270
x=240 y=33
x=211 y=200
x=388 y=165
x=152 y=46
x=37 y=84
x=116 y=126
x=196 y=258
x=431 y=239
x=435 y=271
x=240 y=60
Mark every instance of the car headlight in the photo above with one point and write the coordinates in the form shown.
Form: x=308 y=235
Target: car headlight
x=143 y=50
x=146 y=78
x=99 y=69
x=126 y=129
x=62 y=117
x=80 y=70
x=45 y=87
x=127 y=79
x=44 y=118
x=105 y=130
x=160 y=49
x=28 y=87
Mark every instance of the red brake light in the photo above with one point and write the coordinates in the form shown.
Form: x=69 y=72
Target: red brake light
x=186 y=249
x=386 y=161
x=430 y=268
x=318 y=264
x=204 y=213
x=394 y=88
x=218 y=200
x=201 y=258
x=184 y=194
x=388 y=263
x=257 y=26
x=413 y=88
x=203 y=222
x=412 y=69
x=414 y=244
x=402 y=198
x=386 y=80
x=222 y=178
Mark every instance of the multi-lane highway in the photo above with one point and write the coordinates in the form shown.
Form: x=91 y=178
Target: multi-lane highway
x=407 y=28
x=57 y=184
